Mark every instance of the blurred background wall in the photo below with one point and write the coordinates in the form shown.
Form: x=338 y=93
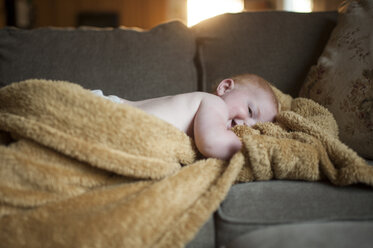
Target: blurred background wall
x=134 y=13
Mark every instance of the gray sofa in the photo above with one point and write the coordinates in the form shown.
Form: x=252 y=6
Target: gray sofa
x=171 y=59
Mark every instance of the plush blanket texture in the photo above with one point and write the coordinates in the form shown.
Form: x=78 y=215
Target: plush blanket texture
x=77 y=170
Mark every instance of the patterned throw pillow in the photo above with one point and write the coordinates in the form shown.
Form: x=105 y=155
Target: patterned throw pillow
x=342 y=80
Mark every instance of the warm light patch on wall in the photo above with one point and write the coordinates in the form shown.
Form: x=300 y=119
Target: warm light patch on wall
x=298 y=5
x=199 y=10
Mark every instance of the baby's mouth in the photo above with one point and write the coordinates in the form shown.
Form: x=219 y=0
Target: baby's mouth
x=234 y=123
x=231 y=124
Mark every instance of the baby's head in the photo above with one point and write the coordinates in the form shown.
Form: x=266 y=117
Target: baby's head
x=249 y=98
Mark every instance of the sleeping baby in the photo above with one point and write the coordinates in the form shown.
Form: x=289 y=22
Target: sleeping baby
x=208 y=118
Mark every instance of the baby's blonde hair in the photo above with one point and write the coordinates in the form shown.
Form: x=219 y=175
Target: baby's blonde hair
x=248 y=78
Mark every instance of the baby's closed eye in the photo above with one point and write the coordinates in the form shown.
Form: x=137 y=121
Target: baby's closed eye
x=250 y=112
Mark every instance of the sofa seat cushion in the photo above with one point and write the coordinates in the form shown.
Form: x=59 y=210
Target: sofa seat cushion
x=129 y=63
x=279 y=46
x=342 y=234
x=255 y=205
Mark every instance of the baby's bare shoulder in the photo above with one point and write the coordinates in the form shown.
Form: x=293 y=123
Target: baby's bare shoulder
x=213 y=101
x=195 y=98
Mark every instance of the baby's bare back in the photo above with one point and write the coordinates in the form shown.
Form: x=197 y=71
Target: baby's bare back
x=178 y=110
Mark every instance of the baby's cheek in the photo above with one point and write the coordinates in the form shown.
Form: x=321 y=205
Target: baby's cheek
x=250 y=122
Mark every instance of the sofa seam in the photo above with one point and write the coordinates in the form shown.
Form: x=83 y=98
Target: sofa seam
x=231 y=220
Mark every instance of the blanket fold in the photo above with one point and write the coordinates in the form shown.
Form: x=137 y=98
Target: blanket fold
x=79 y=170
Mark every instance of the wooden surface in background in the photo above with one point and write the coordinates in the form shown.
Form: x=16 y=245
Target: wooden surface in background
x=326 y=5
x=2 y=13
x=132 y=13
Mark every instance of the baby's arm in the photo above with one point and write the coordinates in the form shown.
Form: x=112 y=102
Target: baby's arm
x=211 y=135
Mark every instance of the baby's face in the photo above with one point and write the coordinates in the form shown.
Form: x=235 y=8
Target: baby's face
x=249 y=104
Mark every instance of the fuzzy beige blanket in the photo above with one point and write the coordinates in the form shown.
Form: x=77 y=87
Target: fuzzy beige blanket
x=77 y=170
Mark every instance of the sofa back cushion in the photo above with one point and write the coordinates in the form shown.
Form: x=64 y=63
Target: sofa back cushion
x=279 y=46
x=342 y=79
x=130 y=63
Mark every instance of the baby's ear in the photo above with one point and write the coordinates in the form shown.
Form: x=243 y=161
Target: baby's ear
x=225 y=86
